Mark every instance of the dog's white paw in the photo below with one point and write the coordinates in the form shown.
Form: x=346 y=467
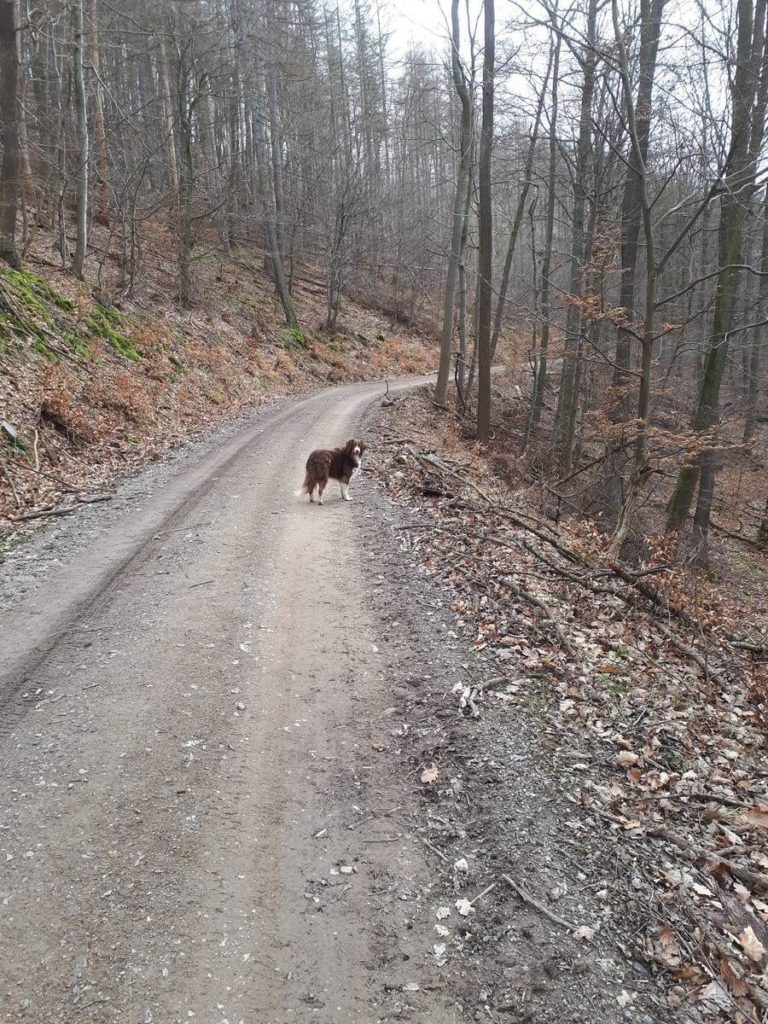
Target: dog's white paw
x=347 y=498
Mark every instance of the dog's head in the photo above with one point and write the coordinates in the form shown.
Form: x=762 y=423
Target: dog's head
x=354 y=450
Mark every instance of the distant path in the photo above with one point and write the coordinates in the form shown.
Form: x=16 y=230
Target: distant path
x=185 y=713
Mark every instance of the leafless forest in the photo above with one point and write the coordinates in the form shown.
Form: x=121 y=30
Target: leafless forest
x=544 y=615
x=582 y=184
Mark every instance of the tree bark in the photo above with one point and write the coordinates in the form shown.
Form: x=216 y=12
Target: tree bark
x=520 y=211
x=750 y=60
x=101 y=190
x=168 y=126
x=10 y=170
x=485 y=231
x=631 y=206
x=541 y=362
x=81 y=118
x=186 y=179
x=457 y=222
x=758 y=334
x=568 y=398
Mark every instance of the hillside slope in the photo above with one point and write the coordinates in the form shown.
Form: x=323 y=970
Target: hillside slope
x=90 y=390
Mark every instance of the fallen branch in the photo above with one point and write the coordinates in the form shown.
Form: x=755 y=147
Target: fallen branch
x=693 y=655
x=758 y=879
x=527 y=898
x=51 y=510
x=526 y=595
x=9 y=478
x=736 y=536
x=488 y=888
x=433 y=463
x=652 y=595
x=59 y=510
x=434 y=849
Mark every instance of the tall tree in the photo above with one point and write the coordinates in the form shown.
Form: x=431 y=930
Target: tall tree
x=10 y=169
x=525 y=187
x=651 y=12
x=81 y=124
x=747 y=96
x=462 y=86
x=485 y=230
x=541 y=355
x=565 y=421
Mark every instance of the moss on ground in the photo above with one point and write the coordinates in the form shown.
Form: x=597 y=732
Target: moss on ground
x=293 y=337
x=104 y=321
x=31 y=309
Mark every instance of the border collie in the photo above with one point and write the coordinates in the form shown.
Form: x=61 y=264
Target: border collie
x=326 y=464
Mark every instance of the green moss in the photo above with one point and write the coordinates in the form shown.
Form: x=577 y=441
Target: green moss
x=104 y=322
x=293 y=337
x=80 y=345
x=248 y=257
x=42 y=348
x=750 y=566
x=35 y=292
x=31 y=311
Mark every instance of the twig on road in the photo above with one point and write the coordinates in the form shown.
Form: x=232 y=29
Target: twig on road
x=532 y=901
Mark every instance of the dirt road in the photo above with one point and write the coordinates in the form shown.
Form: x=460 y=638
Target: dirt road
x=198 y=823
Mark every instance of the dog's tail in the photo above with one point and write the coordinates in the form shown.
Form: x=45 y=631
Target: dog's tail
x=306 y=487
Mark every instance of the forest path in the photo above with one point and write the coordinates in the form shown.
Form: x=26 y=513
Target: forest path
x=197 y=820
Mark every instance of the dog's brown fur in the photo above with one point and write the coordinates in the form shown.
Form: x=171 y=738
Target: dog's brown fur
x=326 y=464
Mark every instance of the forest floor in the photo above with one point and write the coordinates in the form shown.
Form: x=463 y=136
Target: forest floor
x=616 y=769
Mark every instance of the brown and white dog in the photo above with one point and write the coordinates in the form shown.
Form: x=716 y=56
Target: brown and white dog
x=326 y=464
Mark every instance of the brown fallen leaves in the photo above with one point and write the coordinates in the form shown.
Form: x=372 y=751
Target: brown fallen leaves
x=645 y=687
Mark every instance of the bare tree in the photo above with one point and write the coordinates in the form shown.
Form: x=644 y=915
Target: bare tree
x=485 y=252
x=81 y=121
x=748 y=116
x=10 y=170
x=462 y=86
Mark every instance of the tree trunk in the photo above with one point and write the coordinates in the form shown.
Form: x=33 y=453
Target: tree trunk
x=81 y=118
x=750 y=57
x=267 y=205
x=10 y=170
x=758 y=333
x=631 y=211
x=541 y=363
x=216 y=191
x=168 y=126
x=519 y=212
x=101 y=190
x=461 y=375
x=485 y=232
x=186 y=181
x=534 y=353
x=568 y=399
x=459 y=199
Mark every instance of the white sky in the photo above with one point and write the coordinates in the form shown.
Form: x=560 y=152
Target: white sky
x=415 y=21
